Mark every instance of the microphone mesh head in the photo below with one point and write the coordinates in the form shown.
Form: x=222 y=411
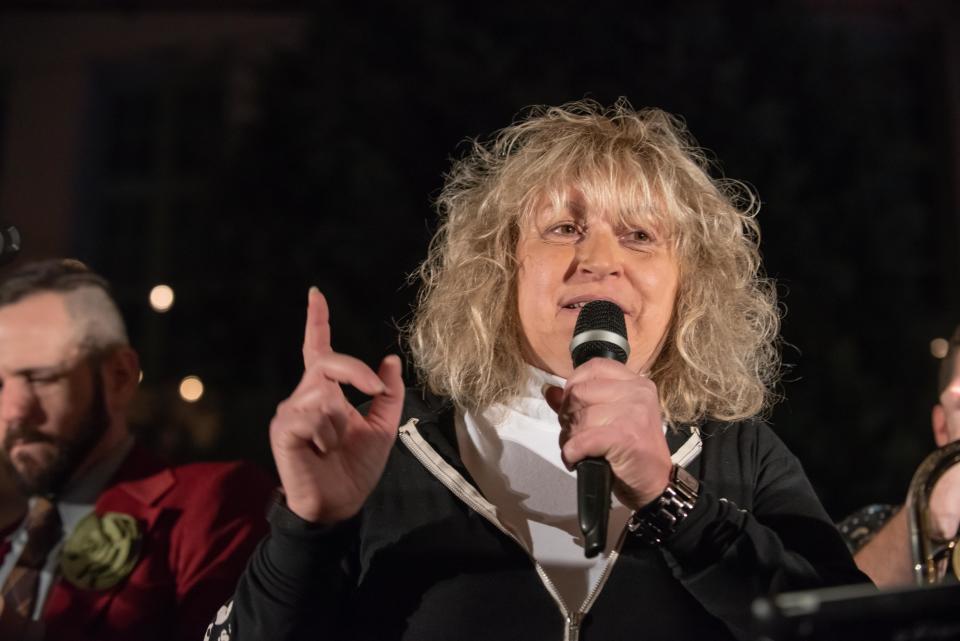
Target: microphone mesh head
x=601 y=314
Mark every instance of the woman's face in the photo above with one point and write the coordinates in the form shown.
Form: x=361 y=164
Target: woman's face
x=576 y=253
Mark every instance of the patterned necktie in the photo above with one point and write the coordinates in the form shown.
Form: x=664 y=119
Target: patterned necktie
x=43 y=533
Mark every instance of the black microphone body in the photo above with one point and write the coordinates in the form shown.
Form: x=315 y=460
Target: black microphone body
x=600 y=332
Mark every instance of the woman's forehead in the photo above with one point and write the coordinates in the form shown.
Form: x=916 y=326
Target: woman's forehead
x=624 y=204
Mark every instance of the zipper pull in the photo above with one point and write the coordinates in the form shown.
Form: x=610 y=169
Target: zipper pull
x=573 y=626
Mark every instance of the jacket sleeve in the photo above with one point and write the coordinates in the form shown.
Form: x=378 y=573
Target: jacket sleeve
x=294 y=586
x=779 y=540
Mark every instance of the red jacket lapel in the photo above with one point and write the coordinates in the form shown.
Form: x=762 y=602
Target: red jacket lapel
x=140 y=482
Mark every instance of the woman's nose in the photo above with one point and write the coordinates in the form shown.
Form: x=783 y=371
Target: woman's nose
x=599 y=254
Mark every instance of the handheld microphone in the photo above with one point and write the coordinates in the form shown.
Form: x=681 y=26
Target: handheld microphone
x=600 y=332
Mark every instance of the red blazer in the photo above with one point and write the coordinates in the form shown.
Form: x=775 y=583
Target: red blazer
x=199 y=522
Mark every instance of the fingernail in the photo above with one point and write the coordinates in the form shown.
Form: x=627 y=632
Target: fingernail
x=313 y=288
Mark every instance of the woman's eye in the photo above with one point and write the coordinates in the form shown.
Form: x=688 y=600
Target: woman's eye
x=637 y=236
x=565 y=229
x=563 y=232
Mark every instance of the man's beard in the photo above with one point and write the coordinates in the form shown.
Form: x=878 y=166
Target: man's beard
x=48 y=478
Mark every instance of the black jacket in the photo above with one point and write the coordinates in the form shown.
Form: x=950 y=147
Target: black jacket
x=418 y=563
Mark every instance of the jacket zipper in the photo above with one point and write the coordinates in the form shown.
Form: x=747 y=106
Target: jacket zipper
x=472 y=497
x=467 y=493
x=572 y=632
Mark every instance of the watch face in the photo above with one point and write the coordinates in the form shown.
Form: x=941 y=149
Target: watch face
x=686 y=481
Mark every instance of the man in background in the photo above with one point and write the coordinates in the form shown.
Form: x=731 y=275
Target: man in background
x=878 y=534
x=115 y=545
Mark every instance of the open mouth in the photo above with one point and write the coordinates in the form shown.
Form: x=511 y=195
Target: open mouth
x=578 y=302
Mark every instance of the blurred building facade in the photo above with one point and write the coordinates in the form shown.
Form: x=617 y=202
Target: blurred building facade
x=240 y=156
x=114 y=128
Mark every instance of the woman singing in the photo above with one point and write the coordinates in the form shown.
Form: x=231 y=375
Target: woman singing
x=448 y=510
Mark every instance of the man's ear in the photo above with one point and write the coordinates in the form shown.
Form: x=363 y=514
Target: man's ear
x=121 y=376
x=941 y=435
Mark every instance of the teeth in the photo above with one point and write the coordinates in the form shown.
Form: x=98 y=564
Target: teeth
x=576 y=305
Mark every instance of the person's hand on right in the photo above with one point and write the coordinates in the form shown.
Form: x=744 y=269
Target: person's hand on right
x=328 y=455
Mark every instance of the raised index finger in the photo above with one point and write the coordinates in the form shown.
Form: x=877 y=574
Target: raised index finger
x=316 y=333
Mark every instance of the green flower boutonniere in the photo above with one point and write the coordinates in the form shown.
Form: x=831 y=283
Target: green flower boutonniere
x=102 y=551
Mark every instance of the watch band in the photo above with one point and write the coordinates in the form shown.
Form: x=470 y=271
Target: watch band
x=656 y=521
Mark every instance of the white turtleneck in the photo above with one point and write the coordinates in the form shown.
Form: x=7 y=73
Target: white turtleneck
x=513 y=453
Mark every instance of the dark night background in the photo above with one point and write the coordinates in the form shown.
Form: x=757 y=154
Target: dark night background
x=241 y=156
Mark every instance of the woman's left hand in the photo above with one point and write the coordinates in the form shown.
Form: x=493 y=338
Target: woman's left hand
x=608 y=411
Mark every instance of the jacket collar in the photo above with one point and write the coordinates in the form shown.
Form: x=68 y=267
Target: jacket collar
x=435 y=423
x=135 y=489
x=143 y=478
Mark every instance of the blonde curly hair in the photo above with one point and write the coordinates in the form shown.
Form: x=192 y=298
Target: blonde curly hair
x=719 y=359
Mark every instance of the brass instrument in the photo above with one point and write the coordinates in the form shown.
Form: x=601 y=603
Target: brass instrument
x=932 y=554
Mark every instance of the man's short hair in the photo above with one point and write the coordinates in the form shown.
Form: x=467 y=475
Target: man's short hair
x=86 y=294
x=948 y=362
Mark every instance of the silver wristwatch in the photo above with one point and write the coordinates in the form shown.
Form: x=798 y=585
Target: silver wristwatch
x=656 y=521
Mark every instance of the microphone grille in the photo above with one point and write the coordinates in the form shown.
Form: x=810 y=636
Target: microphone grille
x=601 y=314
x=600 y=331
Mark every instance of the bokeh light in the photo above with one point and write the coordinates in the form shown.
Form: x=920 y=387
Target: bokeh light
x=191 y=389
x=939 y=347
x=161 y=298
